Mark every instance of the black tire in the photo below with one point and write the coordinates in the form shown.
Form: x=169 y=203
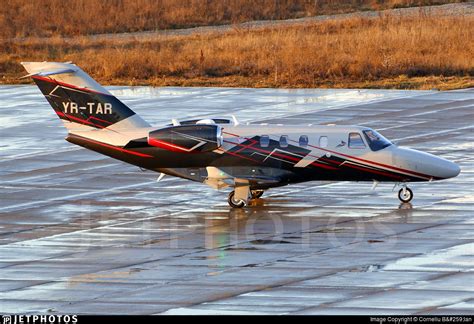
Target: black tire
x=256 y=194
x=233 y=203
x=407 y=197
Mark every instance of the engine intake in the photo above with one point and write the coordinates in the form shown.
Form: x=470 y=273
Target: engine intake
x=187 y=138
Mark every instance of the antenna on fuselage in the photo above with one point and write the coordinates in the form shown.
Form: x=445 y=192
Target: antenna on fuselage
x=162 y=175
x=234 y=119
x=175 y=122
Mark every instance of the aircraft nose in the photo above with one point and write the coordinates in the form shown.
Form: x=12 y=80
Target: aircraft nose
x=442 y=168
x=450 y=169
x=426 y=163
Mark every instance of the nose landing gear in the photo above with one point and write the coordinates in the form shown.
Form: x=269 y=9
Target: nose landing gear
x=405 y=194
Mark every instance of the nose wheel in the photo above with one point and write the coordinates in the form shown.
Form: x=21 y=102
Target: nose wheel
x=405 y=194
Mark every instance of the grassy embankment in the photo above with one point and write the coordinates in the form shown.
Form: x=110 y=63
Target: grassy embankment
x=418 y=52
x=45 y=18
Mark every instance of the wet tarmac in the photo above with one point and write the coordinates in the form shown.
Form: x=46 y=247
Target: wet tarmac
x=82 y=233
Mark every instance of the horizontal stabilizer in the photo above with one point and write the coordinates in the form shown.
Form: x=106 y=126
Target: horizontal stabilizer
x=50 y=72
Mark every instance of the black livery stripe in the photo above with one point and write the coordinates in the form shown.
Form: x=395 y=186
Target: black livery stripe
x=81 y=105
x=334 y=163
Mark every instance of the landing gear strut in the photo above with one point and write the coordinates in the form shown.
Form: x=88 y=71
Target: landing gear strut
x=405 y=194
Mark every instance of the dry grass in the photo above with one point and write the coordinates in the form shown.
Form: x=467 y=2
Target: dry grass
x=20 y=18
x=389 y=52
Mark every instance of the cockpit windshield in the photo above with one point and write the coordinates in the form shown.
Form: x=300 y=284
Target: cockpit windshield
x=375 y=140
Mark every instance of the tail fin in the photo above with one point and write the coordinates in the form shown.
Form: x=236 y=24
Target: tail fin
x=78 y=100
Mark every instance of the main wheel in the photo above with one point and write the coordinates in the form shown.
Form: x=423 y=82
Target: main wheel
x=235 y=203
x=256 y=193
x=405 y=195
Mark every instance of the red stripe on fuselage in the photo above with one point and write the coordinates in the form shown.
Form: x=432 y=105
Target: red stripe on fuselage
x=329 y=161
x=168 y=146
x=372 y=171
x=376 y=163
x=316 y=164
x=417 y=174
x=240 y=156
x=361 y=167
x=272 y=153
x=98 y=119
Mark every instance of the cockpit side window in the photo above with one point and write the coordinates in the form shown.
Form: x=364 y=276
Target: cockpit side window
x=376 y=141
x=355 y=141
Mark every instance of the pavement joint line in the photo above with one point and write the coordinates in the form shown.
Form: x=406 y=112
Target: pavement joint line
x=336 y=107
x=90 y=193
x=424 y=135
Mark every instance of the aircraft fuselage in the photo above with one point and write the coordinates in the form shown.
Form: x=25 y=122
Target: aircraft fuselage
x=274 y=155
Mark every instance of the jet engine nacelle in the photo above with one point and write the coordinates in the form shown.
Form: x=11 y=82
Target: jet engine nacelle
x=187 y=138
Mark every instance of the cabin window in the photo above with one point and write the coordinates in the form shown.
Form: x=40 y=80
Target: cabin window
x=304 y=140
x=355 y=141
x=284 y=141
x=323 y=141
x=264 y=141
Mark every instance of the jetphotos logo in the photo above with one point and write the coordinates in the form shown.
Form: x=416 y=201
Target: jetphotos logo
x=36 y=319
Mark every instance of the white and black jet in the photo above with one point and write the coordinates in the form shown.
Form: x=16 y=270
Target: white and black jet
x=222 y=153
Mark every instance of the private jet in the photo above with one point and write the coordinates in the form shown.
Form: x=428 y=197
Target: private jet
x=220 y=152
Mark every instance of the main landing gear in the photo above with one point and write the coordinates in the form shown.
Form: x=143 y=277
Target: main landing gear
x=405 y=194
x=236 y=202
